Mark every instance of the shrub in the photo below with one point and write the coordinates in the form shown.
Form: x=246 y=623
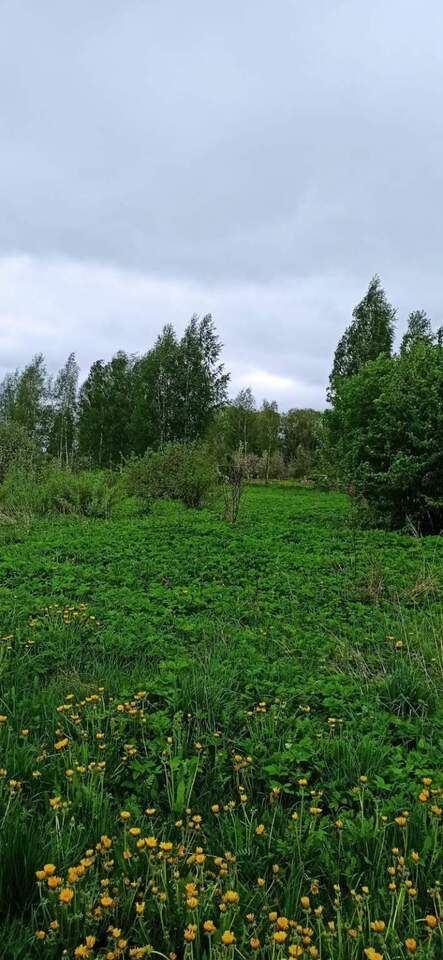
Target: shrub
x=178 y=471
x=16 y=447
x=57 y=491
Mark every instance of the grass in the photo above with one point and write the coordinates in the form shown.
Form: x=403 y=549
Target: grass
x=264 y=700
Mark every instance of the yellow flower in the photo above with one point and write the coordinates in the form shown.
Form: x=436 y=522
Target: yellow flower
x=282 y=923
x=106 y=901
x=254 y=943
x=280 y=936
x=215 y=808
x=260 y=829
x=189 y=933
x=54 y=924
x=294 y=950
x=231 y=896
x=54 y=882
x=313 y=952
x=402 y=821
x=61 y=744
x=305 y=902
x=209 y=926
x=39 y=934
x=125 y=815
x=49 y=869
x=151 y=842
x=260 y=882
x=372 y=954
x=410 y=944
x=431 y=921
x=140 y=908
x=378 y=926
x=192 y=902
x=227 y=938
x=339 y=824
x=65 y=895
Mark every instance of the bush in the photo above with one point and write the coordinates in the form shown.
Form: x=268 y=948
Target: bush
x=386 y=430
x=16 y=447
x=178 y=471
x=57 y=491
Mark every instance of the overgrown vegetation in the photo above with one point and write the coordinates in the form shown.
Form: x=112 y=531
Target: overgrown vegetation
x=221 y=740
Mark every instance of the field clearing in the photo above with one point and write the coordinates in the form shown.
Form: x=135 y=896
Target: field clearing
x=268 y=693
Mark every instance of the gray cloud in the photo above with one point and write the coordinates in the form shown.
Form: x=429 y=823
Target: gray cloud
x=258 y=160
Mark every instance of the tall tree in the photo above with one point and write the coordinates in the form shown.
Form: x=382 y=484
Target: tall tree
x=64 y=412
x=269 y=424
x=370 y=333
x=202 y=382
x=419 y=331
x=156 y=398
x=25 y=399
x=105 y=411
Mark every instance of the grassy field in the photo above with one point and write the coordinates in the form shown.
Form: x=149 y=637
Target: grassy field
x=221 y=741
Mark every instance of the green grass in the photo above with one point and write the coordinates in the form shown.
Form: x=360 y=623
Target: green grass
x=337 y=630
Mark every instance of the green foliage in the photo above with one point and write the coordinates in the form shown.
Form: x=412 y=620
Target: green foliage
x=17 y=447
x=179 y=663
x=370 y=334
x=178 y=471
x=54 y=491
x=386 y=431
x=105 y=406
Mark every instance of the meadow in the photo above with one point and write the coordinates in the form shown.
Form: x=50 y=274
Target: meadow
x=221 y=740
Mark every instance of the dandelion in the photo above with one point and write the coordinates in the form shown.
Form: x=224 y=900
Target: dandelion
x=410 y=944
x=372 y=954
x=39 y=934
x=378 y=926
x=125 y=815
x=431 y=921
x=231 y=896
x=65 y=895
x=280 y=936
x=254 y=943
x=305 y=902
x=61 y=744
x=227 y=938
x=260 y=829
x=295 y=950
x=209 y=926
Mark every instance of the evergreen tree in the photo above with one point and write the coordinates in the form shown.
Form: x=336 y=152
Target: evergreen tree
x=370 y=333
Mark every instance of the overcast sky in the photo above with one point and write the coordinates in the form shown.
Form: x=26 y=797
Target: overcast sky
x=257 y=159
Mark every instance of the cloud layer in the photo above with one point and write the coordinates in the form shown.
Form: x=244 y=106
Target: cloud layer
x=257 y=160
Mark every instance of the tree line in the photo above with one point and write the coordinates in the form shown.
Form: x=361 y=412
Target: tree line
x=381 y=439
x=175 y=392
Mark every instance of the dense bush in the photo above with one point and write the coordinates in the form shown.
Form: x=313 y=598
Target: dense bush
x=178 y=471
x=386 y=431
x=16 y=447
x=57 y=491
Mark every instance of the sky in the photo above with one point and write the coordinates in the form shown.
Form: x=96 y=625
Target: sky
x=256 y=160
